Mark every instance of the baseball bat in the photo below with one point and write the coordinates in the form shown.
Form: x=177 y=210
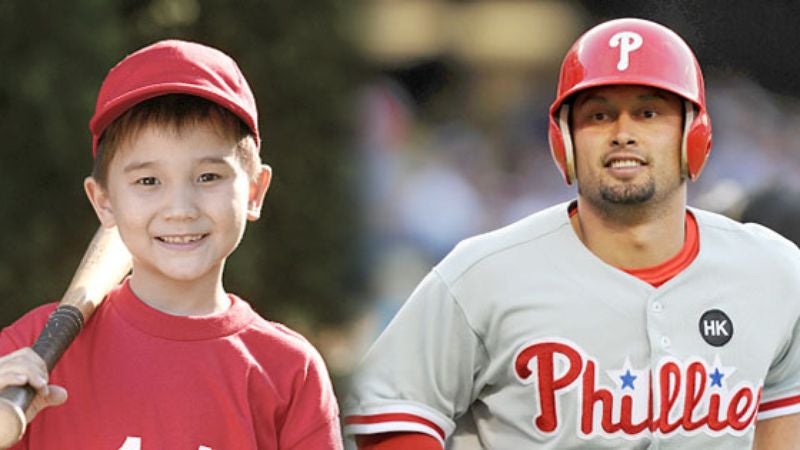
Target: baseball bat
x=105 y=262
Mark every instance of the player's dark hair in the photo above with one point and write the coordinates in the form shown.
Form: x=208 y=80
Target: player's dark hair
x=175 y=112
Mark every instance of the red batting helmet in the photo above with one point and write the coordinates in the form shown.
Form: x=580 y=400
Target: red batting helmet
x=639 y=52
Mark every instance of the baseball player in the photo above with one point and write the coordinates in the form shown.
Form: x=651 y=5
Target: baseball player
x=170 y=360
x=621 y=320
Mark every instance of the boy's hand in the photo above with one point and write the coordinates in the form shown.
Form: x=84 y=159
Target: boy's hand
x=26 y=367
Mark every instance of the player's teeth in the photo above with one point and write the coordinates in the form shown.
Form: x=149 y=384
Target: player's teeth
x=181 y=239
x=625 y=163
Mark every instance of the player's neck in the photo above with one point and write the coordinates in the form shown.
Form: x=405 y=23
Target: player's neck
x=645 y=239
x=197 y=297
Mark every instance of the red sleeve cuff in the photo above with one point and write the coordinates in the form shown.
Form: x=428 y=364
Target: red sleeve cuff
x=397 y=441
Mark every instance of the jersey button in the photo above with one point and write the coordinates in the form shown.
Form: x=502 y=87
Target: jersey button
x=657 y=307
x=665 y=342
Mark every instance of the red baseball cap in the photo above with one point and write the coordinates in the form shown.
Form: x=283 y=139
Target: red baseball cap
x=173 y=67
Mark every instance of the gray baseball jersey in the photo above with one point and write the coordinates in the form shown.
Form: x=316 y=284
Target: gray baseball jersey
x=543 y=343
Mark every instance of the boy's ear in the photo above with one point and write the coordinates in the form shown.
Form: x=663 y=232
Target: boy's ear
x=258 y=189
x=100 y=201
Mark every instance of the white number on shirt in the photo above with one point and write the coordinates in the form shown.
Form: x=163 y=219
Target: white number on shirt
x=135 y=443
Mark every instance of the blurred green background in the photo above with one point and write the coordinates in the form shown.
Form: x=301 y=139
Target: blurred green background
x=294 y=264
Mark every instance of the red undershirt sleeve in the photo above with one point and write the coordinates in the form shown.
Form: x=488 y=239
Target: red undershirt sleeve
x=397 y=441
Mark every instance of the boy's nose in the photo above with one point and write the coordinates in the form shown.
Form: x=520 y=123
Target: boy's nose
x=181 y=204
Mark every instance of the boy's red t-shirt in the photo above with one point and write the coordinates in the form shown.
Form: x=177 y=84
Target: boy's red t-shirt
x=138 y=378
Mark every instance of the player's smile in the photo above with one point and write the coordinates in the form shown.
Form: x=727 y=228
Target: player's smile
x=627 y=141
x=624 y=165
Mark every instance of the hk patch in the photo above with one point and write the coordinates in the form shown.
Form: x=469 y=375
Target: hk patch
x=716 y=327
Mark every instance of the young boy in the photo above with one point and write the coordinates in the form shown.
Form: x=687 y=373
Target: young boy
x=170 y=360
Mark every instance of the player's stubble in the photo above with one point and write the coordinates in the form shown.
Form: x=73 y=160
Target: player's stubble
x=613 y=198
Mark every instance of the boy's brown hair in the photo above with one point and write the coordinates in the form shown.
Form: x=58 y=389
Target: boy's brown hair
x=174 y=113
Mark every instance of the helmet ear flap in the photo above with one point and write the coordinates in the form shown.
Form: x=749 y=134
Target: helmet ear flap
x=688 y=121
x=569 y=149
x=696 y=144
x=561 y=147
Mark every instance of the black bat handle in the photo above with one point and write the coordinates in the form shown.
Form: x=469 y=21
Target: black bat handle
x=62 y=326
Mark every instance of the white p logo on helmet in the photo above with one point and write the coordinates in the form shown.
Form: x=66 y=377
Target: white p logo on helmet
x=627 y=41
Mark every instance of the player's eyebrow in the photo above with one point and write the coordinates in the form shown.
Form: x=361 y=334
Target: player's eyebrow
x=591 y=97
x=655 y=95
x=594 y=97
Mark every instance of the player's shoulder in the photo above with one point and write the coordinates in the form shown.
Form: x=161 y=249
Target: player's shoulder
x=723 y=225
x=539 y=228
x=746 y=239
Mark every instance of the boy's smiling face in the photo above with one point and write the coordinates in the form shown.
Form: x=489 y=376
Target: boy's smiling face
x=180 y=199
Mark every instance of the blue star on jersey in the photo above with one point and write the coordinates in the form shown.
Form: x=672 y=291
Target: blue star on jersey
x=628 y=379
x=716 y=377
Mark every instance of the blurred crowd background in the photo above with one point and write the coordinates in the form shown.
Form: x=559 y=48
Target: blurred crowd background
x=395 y=128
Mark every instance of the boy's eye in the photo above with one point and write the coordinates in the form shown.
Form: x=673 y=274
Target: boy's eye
x=648 y=113
x=147 y=181
x=208 y=177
